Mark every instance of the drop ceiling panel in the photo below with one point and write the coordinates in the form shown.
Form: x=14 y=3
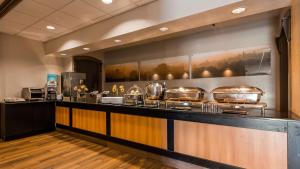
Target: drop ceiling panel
x=64 y=20
x=37 y=34
x=56 y=4
x=141 y=2
x=43 y=24
x=30 y=17
x=124 y=9
x=32 y=8
x=100 y=18
x=82 y=10
x=108 y=8
x=10 y=27
x=20 y=18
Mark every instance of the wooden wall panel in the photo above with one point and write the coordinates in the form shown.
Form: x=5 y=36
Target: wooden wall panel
x=246 y=148
x=62 y=115
x=94 y=121
x=295 y=59
x=144 y=130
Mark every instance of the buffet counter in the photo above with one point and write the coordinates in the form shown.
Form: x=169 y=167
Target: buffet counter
x=214 y=140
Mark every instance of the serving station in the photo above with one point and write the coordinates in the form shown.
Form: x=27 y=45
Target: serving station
x=197 y=135
x=84 y=83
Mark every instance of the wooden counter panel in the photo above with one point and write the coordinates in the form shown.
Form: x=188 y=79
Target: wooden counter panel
x=62 y=115
x=145 y=130
x=246 y=148
x=89 y=120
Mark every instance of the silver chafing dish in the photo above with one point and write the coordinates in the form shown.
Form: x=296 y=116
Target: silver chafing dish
x=185 y=94
x=237 y=94
x=154 y=94
x=134 y=96
x=154 y=91
x=184 y=98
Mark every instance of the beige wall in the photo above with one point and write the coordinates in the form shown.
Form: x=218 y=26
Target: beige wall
x=23 y=64
x=255 y=34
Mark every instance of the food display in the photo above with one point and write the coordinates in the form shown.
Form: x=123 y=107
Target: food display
x=134 y=96
x=185 y=94
x=154 y=91
x=237 y=94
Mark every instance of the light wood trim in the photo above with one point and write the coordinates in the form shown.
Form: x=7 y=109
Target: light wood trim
x=246 y=148
x=89 y=120
x=145 y=130
x=62 y=115
x=295 y=58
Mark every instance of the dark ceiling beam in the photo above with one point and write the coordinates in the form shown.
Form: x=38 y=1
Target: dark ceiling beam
x=7 y=5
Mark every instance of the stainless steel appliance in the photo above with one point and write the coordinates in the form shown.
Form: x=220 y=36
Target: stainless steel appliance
x=237 y=94
x=13 y=100
x=52 y=83
x=32 y=94
x=134 y=96
x=96 y=97
x=186 y=105
x=154 y=91
x=185 y=94
x=238 y=99
x=233 y=108
x=69 y=81
x=184 y=98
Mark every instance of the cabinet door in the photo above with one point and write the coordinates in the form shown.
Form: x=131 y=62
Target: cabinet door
x=43 y=116
x=18 y=119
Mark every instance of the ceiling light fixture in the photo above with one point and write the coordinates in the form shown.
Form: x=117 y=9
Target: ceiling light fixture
x=163 y=29
x=50 y=27
x=238 y=10
x=86 y=48
x=107 y=1
x=117 y=41
x=63 y=54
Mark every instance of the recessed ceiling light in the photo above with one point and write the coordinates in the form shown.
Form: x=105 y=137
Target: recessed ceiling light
x=117 y=41
x=107 y=1
x=63 y=54
x=50 y=27
x=86 y=48
x=238 y=10
x=163 y=29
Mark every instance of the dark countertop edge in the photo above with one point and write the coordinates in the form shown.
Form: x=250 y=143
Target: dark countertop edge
x=28 y=102
x=243 y=121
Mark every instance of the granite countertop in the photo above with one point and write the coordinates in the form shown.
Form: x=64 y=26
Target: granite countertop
x=269 y=114
x=28 y=102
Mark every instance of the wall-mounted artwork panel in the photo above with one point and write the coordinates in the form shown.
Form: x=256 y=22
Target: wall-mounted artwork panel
x=244 y=62
x=165 y=68
x=122 y=72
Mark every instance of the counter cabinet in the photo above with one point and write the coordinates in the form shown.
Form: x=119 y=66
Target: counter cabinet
x=25 y=119
x=256 y=143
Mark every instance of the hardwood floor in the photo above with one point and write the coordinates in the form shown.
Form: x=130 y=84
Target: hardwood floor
x=60 y=150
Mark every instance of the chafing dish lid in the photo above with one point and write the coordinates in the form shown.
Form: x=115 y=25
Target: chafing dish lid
x=134 y=90
x=237 y=89
x=185 y=90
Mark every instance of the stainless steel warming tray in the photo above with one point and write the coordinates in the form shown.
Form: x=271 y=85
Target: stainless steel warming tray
x=237 y=94
x=185 y=94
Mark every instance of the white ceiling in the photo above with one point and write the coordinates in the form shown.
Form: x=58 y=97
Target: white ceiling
x=30 y=17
